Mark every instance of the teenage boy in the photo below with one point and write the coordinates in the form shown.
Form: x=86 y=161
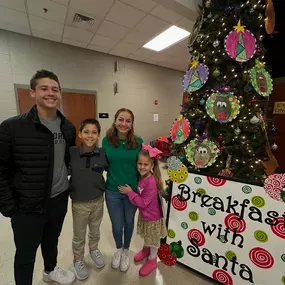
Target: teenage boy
x=34 y=154
x=87 y=186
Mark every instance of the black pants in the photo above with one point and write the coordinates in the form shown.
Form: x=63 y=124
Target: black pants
x=30 y=231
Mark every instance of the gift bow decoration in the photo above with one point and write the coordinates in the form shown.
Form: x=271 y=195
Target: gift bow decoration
x=153 y=152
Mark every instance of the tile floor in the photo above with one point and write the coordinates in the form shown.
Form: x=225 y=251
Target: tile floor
x=176 y=275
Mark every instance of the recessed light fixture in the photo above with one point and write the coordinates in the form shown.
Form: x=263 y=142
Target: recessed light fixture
x=167 y=38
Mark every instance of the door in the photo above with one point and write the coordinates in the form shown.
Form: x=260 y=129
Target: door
x=77 y=107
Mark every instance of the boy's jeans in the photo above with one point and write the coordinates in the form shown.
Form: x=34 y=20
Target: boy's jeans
x=122 y=214
x=86 y=213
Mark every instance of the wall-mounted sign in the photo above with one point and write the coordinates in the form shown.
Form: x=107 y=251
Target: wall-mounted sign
x=279 y=108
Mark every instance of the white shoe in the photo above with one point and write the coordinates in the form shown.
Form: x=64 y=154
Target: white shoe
x=117 y=258
x=98 y=258
x=61 y=276
x=125 y=261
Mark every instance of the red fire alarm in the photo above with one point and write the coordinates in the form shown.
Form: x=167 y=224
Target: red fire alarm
x=155 y=102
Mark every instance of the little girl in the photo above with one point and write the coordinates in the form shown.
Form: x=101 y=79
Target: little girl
x=151 y=225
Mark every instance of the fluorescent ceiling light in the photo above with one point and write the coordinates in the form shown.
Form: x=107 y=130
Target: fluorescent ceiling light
x=167 y=38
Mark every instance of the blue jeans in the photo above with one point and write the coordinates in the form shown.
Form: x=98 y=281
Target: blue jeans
x=122 y=215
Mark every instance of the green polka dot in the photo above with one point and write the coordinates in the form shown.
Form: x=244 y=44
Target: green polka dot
x=193 y=216
x=283 y=257
x=184 y=225
x=198 y=180
x=261 y=236
x=230 y=255
x=222 y=239
x=246 y=189
x=257 y=201
x=283 y=279
x=171 y=233
x=212 y=211
x=201 y=191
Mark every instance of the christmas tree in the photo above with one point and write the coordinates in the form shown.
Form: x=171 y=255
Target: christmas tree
x=229 y=86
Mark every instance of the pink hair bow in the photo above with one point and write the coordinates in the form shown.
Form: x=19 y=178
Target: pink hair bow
x=153 y=152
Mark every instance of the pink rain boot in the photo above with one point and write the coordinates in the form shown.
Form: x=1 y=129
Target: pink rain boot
x=142 y=254
x=149 y=266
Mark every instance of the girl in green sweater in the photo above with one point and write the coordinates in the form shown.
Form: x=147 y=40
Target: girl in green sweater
x=122 y=148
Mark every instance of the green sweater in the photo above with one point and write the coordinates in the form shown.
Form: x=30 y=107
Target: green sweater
x=122 y=165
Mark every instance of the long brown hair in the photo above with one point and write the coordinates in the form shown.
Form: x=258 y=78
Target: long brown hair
x=112 y=133
x=156 y=171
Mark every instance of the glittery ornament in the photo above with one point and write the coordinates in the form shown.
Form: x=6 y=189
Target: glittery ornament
x=273 y=129
x=254 y=120
x=237 y=131
x=253 y=100
x=220 y=138
x=202 y=102
x=216 y=43
x=210 y=16
x=274 y=146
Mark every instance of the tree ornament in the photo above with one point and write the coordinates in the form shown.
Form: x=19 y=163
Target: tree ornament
x=254 y=120
x=240 y=44
x=247 y=88
x=270 y=17
x=253 y=100
x=274 y=146
x=223 y=107
x=216 y=72
x=273 y=129
x=208 y=3
x=216 y=43
x=261 y=79
x=237 y=131
x=202 y=102
x=220 y=138
x=180 y=130
x=195 y=77
x=254 y=137
x=202 y=154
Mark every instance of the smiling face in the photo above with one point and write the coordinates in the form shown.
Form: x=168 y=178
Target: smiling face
x=89 y=135
x=145 y=165
x=124 y=123
x=47 y=93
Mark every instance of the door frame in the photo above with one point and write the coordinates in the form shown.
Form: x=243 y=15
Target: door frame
x=79 y=91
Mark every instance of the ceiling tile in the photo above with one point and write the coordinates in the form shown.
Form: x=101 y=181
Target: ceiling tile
x=165 y=14
x=94 y=7
x=184 y=43
x=137 y=38
x=145 y=5
x=185 y=24
x=56 y=12
x=77 y=34
x=74 y=43
x=83 y=25
x=176 y=50
x=112 y=30
x=152 y=25
x=44 y=25
x=141 y=54
x=18 y=5
x=97 y=48
x=46 y=36
x=123 y=49
x=104 y=42
x=125 y=15
x=62 y=2
x=14 y=21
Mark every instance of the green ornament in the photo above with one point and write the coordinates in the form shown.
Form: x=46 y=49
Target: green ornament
x=216 y=72
x=254 y=137
x=176 y=249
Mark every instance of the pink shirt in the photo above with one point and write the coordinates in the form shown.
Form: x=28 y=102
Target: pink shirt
x=147 y=199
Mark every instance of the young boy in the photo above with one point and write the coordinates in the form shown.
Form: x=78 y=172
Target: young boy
x=87 y=186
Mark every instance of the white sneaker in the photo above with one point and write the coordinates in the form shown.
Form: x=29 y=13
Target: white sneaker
x=61 y=276
x=125 y=261
x=98 y=258
x=117 y=258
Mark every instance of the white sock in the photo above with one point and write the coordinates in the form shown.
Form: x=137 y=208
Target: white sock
x=153 y=252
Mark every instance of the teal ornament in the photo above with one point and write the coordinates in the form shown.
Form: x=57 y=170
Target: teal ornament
x=181 y=157
x=202 y=102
